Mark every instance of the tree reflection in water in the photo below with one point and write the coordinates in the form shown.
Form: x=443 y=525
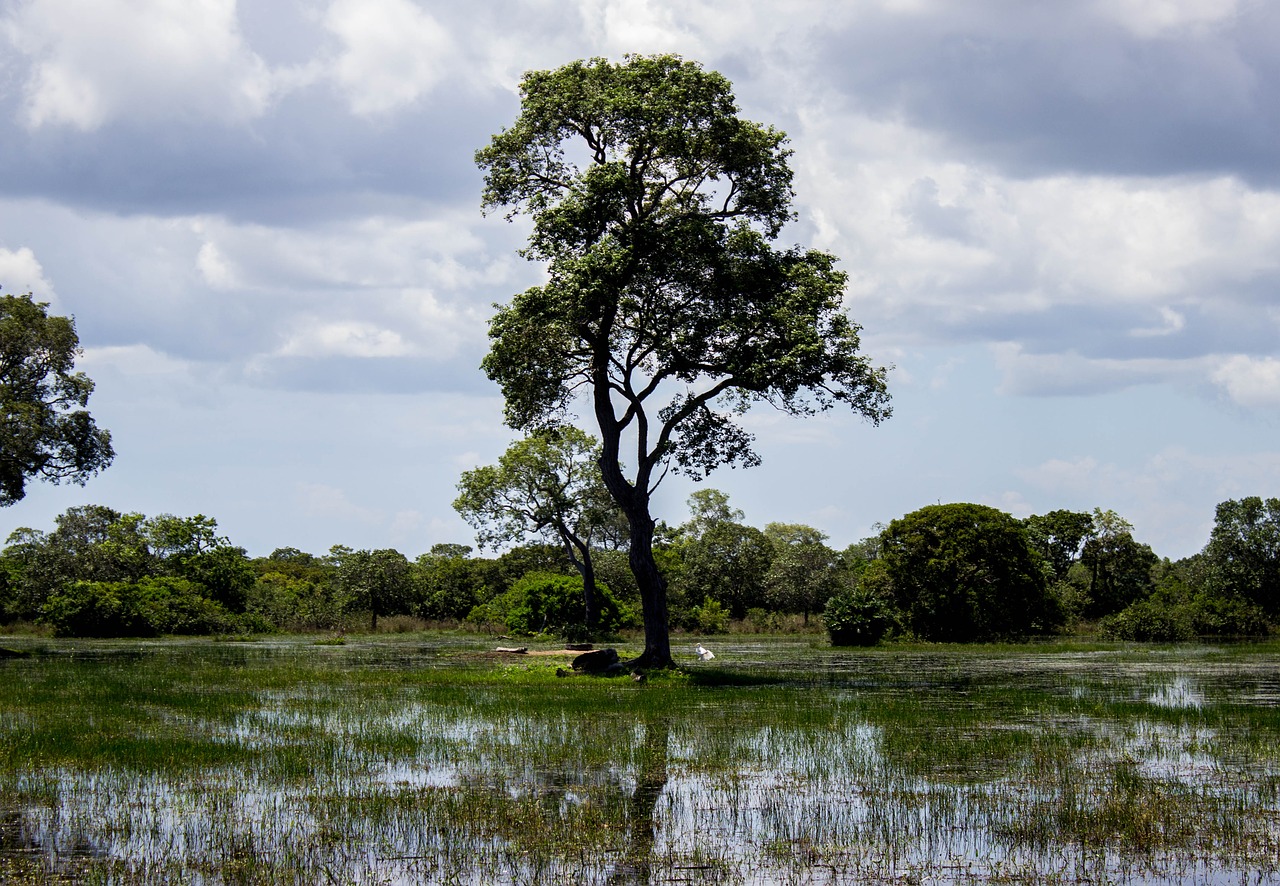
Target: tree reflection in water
x=635 y=867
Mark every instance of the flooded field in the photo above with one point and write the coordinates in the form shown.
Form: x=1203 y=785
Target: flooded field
x=422 y=759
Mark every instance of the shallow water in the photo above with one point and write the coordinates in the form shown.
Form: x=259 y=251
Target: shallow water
x=413 y=761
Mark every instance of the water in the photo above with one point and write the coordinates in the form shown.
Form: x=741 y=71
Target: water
x=784 y=763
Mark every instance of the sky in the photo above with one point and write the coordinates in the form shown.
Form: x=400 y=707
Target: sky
x=1060 y=220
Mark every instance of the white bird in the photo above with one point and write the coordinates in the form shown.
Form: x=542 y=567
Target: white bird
x=703 y=652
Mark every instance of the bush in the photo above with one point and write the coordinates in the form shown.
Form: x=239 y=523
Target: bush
x=1149 y=620
x=857 y=617
x=542 y=602
x=1215 y=616
x=710 y=617
x=1162 y=618
x=289 y=603
x=965 y=573
x=146 y=608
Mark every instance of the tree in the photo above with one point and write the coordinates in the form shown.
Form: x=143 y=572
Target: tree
x=547 y=484
x=721 y=558
x=666 y=305
x=1059 y=536
x=45 y=431
x=377 y=582
x=1119 y=568
x=1243 y=553
x=803 y=572
x=964 y=572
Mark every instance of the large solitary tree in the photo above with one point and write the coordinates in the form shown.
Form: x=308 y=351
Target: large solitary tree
x=45 y=430
x=667 y=307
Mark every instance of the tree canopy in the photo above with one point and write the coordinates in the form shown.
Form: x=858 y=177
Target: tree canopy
x=546 y=484
x=964 y=572
x=45 y=430
x=666 y=306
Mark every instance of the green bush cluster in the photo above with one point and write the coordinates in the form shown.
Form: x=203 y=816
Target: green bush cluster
x=858 y=617
x=546 y=603
x=146 y=608
x=1161 y=619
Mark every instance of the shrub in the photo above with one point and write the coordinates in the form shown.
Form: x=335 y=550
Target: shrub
x=542 y=602
x=145 y=608
x=858 y=617
x=965 y=573
x=1149 y=620
x=710 y=617
x=1216 y=616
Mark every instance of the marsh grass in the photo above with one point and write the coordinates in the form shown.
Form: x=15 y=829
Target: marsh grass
x=423 y=758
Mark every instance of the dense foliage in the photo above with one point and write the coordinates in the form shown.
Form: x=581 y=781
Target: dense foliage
x=955 y=572
x=965 y=572
x=655 y=207
x=45 y=430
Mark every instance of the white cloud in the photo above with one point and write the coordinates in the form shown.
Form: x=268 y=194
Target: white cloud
x=1252 y=382
x=393 y=53
x=97 y=60
x=1153 y=18
x=344 y=339
x=214 y=267
x=20 y=272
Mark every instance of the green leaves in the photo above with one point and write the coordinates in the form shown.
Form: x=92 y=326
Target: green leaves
x=655 y=206
x=44 y=430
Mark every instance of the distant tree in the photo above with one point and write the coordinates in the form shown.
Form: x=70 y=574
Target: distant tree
x=965 y=572
x=666 y=304
x=1243 y=554
x=377 y=582
x=1119 y=568
x=90 y=543
x=1060 y=536
x=449 y=582
x=803 y=572
x=190 y=548
x=45 y=430
x=721 y=559
x=547 y=485
x=709 y=508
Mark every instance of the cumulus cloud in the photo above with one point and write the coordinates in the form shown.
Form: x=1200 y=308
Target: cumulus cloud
x=393 y=52
x=1250 y=381
x=20 y=272
x=97 y=60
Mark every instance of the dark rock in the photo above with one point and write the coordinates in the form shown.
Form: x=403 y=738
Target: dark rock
x=578 y=647
x=597 y=661
x=13 y=653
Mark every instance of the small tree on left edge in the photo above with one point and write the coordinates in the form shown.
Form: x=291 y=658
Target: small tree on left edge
x=45 y=431
x=547 y=484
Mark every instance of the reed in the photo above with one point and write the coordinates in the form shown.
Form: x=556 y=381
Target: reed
x=421 y=758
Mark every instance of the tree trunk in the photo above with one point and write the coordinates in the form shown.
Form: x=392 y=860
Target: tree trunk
x=653 y=596
x=590 y=598
x=582 y=562
x=634 y=502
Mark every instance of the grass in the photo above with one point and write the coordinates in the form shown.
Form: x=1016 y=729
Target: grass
x=423 y=758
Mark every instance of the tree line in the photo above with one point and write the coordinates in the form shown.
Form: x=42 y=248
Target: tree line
x=953 y=572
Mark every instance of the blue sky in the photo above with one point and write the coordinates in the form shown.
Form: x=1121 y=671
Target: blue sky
x=1061 y=222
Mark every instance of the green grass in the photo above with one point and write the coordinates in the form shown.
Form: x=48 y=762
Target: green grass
x=422 y=758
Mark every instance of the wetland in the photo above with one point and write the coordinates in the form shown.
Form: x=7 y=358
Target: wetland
x=427 y=758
